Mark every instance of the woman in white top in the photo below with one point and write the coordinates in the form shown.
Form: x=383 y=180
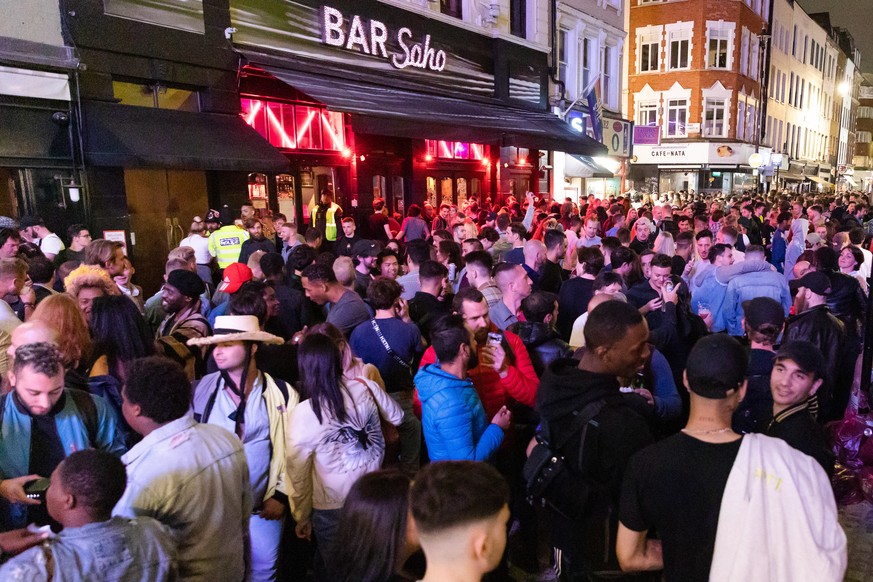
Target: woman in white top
x=334 y=437
x=850 y=261
x=198 y=239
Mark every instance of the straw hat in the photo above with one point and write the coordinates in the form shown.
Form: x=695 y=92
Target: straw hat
x=236 y=328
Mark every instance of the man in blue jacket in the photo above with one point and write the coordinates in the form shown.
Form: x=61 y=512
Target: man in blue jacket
x=41 y=423
x=452 y=415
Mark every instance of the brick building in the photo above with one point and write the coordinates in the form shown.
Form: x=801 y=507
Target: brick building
x=693 y=72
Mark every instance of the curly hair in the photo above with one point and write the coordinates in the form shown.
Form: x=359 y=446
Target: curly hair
x=89 y=276
x=61 y=312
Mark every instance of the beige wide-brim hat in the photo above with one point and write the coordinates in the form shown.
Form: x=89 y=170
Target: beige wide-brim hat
x=236 y=328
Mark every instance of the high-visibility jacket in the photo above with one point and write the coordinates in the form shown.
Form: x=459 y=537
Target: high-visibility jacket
x=329 y=220
x=226 y=243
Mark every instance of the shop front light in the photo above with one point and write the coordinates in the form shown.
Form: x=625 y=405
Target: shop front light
x=347 y=153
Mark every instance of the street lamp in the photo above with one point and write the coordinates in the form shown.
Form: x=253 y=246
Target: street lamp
x=756 y=160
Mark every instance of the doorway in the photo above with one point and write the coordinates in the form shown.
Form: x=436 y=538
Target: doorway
x=161 y=205
x=453 y=187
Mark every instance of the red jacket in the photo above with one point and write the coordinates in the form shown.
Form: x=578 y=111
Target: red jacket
x=521 y=382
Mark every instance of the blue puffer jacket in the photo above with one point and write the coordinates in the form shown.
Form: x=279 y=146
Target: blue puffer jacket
x=453 y=419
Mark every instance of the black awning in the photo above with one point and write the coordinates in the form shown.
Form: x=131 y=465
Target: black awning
x=29 y=137
x=392 y=111
x=137 y=137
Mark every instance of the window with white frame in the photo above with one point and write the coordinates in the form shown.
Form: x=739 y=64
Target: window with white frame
x=563 y=35
x=585 y=62
x=606 y=79
x=677 y=117
x=719 y=45
x=741 y=115
x=750 y=121
x=864 y=137
x=647 y=113
x=744 y=52
x=714 y=116
x=753 y=60
x=679 y=47
x=649 y=49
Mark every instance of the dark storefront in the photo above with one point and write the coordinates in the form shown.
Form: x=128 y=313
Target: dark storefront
x=375 y=101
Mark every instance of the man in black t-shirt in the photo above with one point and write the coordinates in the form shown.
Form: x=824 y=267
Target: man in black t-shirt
x=675 y=487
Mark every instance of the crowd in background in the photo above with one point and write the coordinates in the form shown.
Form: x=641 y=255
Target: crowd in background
x=536 y=389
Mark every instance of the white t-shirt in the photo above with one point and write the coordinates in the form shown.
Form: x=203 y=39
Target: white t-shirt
x=864 y=269
x=51 y=245
x=200 y=244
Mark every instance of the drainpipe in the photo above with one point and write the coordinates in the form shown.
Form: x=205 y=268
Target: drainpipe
x=553 y=34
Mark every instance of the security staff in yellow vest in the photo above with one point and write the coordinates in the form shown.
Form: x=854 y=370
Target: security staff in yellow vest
x=326 y=216
x=225 y=243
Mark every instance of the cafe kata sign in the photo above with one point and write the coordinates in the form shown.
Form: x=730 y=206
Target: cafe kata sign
x=371 y=37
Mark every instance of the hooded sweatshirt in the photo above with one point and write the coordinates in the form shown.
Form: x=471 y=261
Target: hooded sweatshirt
x=799 y=228
x=453 y=419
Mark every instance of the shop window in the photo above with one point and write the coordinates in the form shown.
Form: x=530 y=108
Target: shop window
x=291 y=126
x=155 y=96
x=714 y=118
x=719 y=48
x=518 y=18
x=451 y=7
x=431 y=191
x=677 y=117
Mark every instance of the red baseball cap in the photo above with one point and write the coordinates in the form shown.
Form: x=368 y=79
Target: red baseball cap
x=234 y=276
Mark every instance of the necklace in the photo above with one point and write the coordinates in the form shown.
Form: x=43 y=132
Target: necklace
x=711 y=431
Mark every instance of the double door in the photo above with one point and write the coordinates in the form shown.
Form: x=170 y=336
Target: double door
x=453 y=187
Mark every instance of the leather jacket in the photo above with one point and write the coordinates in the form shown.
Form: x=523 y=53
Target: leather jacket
x=819 y=327
x=846 y=301
x=543 y=343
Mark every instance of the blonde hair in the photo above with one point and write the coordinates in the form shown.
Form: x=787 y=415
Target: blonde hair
x=185 y=253
x=90 y=276
x=664 y=244
x=344 y=270
x=60 y=312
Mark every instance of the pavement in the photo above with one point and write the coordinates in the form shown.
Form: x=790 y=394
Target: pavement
x=857 y=522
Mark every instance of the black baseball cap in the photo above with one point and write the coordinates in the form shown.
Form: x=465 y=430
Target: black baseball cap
x=366 y=248
x=716 y=365
x=815 y=281
x=805 y=355
x=763 y=310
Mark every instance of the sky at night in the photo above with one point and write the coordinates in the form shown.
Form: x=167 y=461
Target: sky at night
x=854 y=15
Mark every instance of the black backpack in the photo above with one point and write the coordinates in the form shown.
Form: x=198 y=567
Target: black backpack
x=547 y=472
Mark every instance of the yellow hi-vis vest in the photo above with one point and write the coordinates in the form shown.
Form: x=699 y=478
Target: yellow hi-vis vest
x=225 y=244
x=329 y=220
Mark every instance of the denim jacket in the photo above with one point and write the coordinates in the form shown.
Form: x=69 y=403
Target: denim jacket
x=126 y=550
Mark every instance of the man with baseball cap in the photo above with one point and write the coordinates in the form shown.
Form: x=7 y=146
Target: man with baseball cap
x=181 y=302
x=364 y=252
x=762 y=321
x=813 y=322
x=797 y=375
x=780 y=514
x=234 y=276
x=253 y=405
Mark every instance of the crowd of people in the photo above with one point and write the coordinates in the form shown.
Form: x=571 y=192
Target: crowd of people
x=531 y=390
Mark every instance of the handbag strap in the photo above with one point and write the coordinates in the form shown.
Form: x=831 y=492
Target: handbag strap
x=372 y=396
x=387 y=347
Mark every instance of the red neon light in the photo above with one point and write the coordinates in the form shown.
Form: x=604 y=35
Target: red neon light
x=428 y=158
x=522 y=161
x=285 y=140
x=444 y=149
x=477 y=150
x=347 y=153
x=337 y=140
x=301 y=131
x=250 y=118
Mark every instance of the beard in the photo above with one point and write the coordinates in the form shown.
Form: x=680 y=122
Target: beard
x=473 y=362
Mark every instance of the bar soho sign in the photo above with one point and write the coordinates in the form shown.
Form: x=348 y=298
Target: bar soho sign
x=371 y=40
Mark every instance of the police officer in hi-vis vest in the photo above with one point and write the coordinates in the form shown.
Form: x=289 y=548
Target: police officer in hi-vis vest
x=326 y=215
x=226 y=242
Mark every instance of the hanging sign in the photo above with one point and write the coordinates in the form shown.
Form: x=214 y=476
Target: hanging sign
x=371 y=37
